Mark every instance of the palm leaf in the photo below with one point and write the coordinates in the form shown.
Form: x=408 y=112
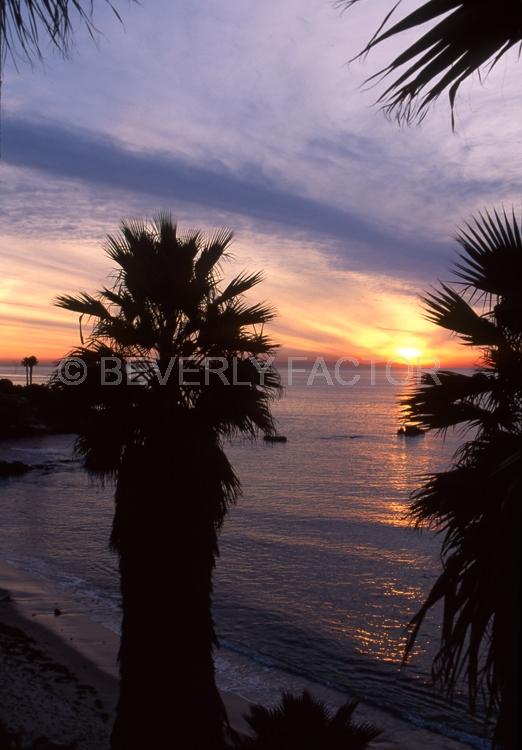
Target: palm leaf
x=449 y=310
x=491 y=261
x=84 y=304
x=241 y=284
x=468 y=37
x=23 y=23
x=213 y=252
x=303 y=721
x=475 y=503
x=457 y=399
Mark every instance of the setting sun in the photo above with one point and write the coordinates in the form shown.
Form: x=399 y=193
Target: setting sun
x=408 y=353
x=255 y=286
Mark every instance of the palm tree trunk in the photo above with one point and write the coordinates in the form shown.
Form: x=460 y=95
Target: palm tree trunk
x=166 y=548
x=507 y=621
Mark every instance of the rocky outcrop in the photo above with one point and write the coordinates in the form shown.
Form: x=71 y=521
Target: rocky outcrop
x=13 y=468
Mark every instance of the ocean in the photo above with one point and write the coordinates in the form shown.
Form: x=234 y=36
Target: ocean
x=16 y=373
x=319 y=571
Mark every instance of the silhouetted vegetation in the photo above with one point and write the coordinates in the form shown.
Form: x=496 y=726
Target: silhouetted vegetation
x=26 y=25
x=476 y=504
x=29 y=363
x=469 y=36
x=169 y=304
x=36 y=409
x=304 y=723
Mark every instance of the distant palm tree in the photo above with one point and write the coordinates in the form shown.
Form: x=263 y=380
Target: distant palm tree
x=469 y=36
x=25 y=363
x=168 y=306
x=301 y=722
x=477 y=502
x=29 y=363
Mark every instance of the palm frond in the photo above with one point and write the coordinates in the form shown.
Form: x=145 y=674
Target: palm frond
x=165 y=227
x=457 y=399
x=467 y=37
x=84 y=304
x=24 y=24
x=478 y=585
x=241 y=314
x=449 y=310
x=303 y=721
x=491 y=261
x=214 y=250
x=475 y=503
x=241 y=284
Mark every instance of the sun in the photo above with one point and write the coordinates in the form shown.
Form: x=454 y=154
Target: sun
x=408 y=353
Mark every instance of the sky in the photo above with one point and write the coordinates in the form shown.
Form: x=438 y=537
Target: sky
x=248 y=115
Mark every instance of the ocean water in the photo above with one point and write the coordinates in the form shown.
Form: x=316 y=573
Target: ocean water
x=16 y=373
x=319 y=571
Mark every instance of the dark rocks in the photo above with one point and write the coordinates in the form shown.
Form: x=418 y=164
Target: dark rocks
x=13 y=468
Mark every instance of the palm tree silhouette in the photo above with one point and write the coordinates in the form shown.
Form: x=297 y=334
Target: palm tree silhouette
x=466 y=38
x=168 y=305
x=302 y=721
x=29 y=363
x=476 y=503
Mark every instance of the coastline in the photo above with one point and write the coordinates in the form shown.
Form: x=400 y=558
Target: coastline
x=60 y=678
x=54 y=675
x=65 y=667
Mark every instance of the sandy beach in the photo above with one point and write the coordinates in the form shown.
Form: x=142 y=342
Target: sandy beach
x=58 y=674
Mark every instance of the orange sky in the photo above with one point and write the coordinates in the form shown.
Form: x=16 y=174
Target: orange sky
x=248 y=116
x=322 y=311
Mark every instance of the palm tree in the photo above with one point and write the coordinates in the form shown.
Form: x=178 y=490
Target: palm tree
x=29 y=363
x=476 y=503
x=162 y=436
x=25 y=363
x=468 y=36
x=303 y=722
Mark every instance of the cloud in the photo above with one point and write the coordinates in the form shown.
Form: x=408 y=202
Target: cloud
x=95 y=159
x=246 y=114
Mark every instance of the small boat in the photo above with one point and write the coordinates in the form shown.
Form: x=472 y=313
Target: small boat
x=275 y=438
x=410 y=430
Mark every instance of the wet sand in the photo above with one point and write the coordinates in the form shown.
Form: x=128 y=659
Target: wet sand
x=58 y=674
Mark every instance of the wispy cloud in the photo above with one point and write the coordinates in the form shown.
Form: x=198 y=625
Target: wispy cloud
x=246 y=114
x=98 y=160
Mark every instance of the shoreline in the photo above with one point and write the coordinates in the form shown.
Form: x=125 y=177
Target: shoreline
x=53 y=679
x=80 y=651
x=67 y=672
